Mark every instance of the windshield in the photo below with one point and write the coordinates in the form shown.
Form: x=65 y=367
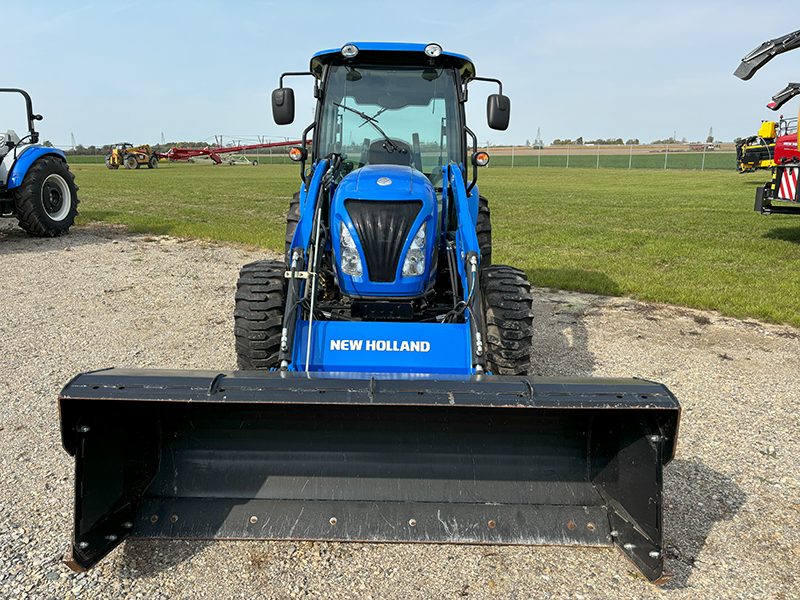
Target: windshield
x=394 y=115
x=14 y=116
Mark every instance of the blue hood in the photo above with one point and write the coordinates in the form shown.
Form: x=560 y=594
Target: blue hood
x=383 y=207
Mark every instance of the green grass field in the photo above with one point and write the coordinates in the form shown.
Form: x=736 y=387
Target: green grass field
x=683 y=237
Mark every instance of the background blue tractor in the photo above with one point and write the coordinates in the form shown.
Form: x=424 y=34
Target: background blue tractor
x=383 y=394
x=36 y=185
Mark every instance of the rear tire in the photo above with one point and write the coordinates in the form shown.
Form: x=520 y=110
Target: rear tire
x=507 y=319
x=483 y=229
x=152 y=163
x=292 y=219
x=258 y=316
x=47 y=201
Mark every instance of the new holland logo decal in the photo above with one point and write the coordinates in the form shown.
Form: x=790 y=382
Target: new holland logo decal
x=380 y=345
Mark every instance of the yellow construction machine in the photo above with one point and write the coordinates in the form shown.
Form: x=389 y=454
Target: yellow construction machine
x=130 y=156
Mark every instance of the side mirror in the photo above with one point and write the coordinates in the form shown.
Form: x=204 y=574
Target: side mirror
x=283 y=106
x=498 y=111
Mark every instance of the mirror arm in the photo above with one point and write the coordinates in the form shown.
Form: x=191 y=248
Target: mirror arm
x=474 y=166
x=490 y=80
x=305 y=143
x=294 y=74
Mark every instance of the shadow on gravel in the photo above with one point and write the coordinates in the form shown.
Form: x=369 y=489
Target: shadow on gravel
x=561 y=339
x=14 y=240
x=697 y=498
x=150 y=557
x=784 y=234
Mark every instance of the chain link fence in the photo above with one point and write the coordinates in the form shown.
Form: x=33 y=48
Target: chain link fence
x=700 y=157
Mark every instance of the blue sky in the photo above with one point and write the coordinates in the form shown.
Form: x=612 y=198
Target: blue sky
x=110 y=71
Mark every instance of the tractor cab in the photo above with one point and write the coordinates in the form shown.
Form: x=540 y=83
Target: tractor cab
x=380 y=113
x=401 y=104
x=390 y=120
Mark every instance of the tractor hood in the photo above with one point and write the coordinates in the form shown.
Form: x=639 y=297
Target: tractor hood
x=383 y=228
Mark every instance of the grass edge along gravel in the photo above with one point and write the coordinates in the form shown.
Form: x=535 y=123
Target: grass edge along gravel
x=689 y=238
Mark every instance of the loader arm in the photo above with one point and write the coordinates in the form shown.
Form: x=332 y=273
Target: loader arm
x=782 y=97
x=765 y=53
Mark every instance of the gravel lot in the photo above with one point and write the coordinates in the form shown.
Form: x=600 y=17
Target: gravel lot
x=100 y=298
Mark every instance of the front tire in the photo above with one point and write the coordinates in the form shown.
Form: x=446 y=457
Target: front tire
x=507 y=319
x=131 y=162
x=47 y=201
x=258 y=316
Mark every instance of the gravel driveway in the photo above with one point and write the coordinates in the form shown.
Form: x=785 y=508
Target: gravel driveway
x=100 y=298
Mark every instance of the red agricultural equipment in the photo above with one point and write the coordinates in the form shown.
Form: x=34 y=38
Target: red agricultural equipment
x=782 y=188
x=214 y=154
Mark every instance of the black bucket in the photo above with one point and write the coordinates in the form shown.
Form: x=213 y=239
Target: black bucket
x=255 y=455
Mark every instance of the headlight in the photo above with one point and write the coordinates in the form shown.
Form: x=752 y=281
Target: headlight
x=349 y=50
x=433 y=50
x=351 y=261
x=414 y=264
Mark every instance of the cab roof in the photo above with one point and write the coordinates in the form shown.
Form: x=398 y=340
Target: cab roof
x=388 y=53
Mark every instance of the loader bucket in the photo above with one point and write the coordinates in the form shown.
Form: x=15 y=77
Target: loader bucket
x=297 y=456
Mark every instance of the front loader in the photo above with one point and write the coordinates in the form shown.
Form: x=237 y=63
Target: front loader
x=384 y=393
x=131 y=157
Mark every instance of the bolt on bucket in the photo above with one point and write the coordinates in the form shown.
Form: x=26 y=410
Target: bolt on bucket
x=288 y=456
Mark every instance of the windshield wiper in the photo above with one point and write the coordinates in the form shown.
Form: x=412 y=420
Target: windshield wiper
x=374 y=117
x=374 y=123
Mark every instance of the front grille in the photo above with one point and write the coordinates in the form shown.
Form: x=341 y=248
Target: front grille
x=382 y=227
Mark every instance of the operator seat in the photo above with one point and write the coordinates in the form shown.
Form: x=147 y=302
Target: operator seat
x=10 y=136
x=378 y=155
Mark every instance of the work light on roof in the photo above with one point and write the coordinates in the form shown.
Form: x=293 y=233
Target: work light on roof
x=433 y=50
x=349 y=50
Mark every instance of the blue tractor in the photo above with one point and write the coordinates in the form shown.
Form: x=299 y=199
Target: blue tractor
x=36 y=185
x=384 y=393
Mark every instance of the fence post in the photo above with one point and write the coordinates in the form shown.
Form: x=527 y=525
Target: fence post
x=512 y=156
x=568 y=156
x=666 y=154
x=598 y=156
x=703 y=166
x=630 y=159
x=539 y=164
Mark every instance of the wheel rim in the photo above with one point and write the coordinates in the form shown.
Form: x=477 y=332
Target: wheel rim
x=56 y=197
